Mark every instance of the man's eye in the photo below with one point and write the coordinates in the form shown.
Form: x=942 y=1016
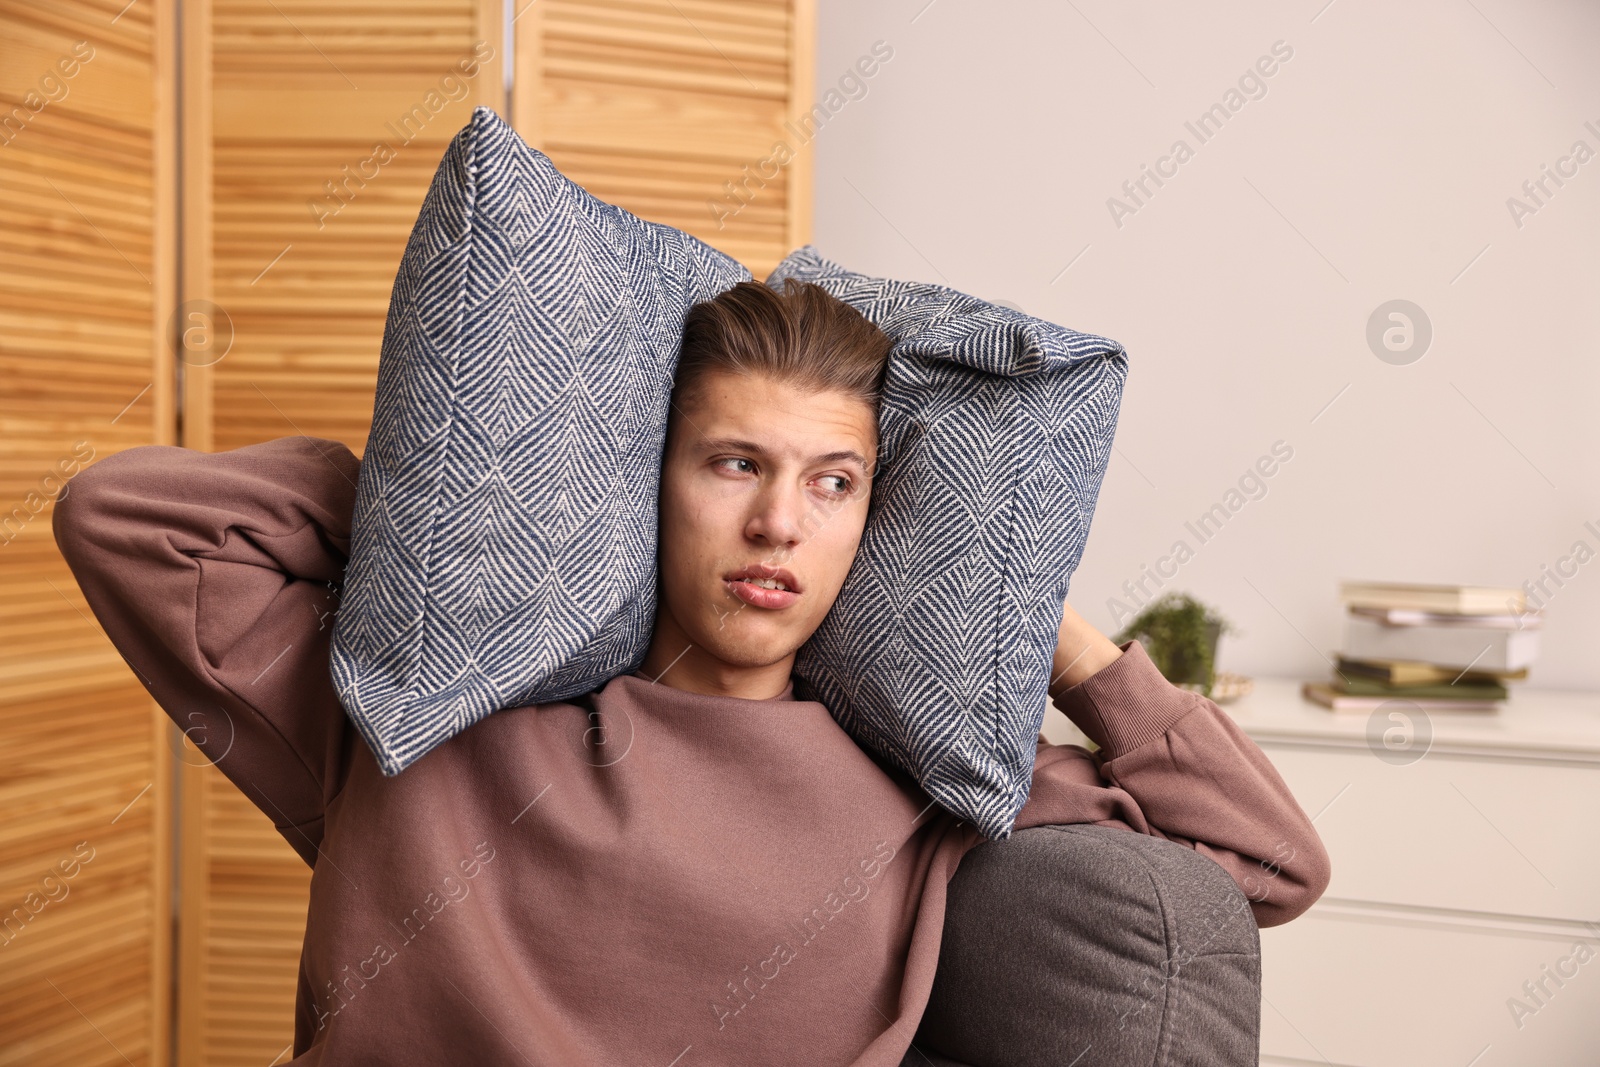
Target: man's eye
x=842 y=485
x=737 y=463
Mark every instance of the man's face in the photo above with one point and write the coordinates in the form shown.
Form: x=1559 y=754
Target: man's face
x=762 y=484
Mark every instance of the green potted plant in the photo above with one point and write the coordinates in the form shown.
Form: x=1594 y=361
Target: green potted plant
x=1180 y=636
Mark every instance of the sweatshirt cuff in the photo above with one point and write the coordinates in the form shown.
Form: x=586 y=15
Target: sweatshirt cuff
x=1126 y=703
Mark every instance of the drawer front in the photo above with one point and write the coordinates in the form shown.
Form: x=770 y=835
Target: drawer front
x=1414 y=991
x=1480 y=835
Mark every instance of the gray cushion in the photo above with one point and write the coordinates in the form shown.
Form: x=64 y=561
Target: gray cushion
x=1096 y=947
x=505 y=523
x=995 y=432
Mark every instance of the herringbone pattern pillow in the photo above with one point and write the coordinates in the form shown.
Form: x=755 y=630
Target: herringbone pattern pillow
x=994 y=435
x=504 y=547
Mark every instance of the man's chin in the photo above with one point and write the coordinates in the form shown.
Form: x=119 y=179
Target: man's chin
x=751 y=649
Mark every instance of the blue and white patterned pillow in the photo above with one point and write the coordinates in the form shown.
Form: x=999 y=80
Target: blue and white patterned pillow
x=994 y=434
x=531 y=341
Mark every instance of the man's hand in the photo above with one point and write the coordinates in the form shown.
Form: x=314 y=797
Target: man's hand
x=1081 y=650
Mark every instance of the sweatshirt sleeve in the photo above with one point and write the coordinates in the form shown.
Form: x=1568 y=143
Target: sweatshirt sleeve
x=1174 y=765
x=216 y=576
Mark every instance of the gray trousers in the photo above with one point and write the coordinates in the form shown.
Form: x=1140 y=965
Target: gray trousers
x=1081 y=946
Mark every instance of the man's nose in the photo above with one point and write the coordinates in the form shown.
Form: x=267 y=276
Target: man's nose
x=779 y=517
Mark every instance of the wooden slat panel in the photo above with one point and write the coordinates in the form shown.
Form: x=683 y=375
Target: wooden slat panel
x=658 y=105
x=253 y=889
x=313 y=185
x=295 y=223
x=307 y=333
x=86 y=204
x=258 y=42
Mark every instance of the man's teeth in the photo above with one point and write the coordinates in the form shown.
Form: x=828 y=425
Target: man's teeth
x=767 y=583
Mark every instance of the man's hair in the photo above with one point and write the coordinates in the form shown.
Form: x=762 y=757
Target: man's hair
x=803 y=336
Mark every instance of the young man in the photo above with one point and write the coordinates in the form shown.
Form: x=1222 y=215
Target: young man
x=689 y=866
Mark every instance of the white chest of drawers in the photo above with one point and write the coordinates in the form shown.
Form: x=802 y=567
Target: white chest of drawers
x=1462 y=924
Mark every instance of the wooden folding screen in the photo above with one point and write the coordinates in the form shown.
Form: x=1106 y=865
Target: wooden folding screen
x=87 y=214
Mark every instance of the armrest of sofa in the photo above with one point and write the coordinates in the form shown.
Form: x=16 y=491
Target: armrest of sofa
x=1094 y=947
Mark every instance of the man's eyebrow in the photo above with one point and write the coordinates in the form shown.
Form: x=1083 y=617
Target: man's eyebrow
x=733 y=444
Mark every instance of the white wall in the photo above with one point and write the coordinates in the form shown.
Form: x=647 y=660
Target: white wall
x=1377 y=166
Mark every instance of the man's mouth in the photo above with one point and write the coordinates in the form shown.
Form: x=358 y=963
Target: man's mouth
x=765 y=576
x=761 y=586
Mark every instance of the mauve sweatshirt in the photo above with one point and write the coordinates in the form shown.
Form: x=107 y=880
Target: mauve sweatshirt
x=644 y=875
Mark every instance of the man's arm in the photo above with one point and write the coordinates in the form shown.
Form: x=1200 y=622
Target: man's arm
x=1081 y=651
x=1177 y=767
x=215 y=576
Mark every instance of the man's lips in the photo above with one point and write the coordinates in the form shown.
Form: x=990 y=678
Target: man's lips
x=763 y=572
x=749 y=584
x=759 y=597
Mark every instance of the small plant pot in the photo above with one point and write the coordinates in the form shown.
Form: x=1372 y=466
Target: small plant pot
x=1182 y=666
x=1180 y=635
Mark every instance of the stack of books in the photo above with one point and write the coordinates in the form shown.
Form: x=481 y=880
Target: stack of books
x=1441 y=647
